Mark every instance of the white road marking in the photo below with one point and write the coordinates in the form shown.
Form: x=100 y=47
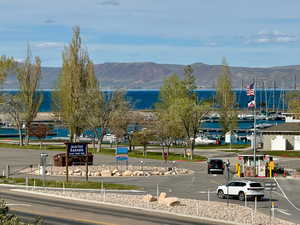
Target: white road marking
x=284 y=212
x=285 y=195
x=18 y=204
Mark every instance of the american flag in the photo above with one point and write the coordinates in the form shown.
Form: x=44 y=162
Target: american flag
x=251 y=104
x=250 y=90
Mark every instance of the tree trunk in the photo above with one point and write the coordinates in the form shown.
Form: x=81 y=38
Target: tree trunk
x=99 y=144
x=192 y=148
x=20 y=137
x=144 y=153
x=26 y=136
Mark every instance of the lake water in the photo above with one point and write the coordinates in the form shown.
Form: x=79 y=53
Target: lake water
x=146 y=99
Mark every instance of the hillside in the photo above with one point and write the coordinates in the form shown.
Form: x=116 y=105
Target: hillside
x=150 y=75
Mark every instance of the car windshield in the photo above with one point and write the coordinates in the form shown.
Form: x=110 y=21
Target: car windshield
x=218 y=162
x=255 y=185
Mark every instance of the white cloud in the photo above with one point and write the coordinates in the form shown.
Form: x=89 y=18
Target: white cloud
x=273 y=36
x=49 y=45
x=109 y=2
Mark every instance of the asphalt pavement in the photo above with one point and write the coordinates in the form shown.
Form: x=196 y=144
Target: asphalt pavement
x=199 y=185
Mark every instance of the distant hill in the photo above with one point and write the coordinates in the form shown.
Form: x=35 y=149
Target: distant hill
x=148 y=75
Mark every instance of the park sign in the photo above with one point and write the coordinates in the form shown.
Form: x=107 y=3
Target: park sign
x=76 y=149
x=121 y=153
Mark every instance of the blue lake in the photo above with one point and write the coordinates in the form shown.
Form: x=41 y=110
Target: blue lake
x=146 y=99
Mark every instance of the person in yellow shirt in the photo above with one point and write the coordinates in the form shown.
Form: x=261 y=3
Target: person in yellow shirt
x=271 y=167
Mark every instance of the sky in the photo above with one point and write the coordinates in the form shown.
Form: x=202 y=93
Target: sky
x=254 y=33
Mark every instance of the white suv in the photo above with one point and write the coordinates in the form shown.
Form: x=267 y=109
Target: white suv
x=241 y=189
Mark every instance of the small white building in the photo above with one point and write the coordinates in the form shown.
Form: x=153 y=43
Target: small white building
x=281 y=137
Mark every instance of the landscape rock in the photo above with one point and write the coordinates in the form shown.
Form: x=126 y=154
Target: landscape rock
x=114 y=171
x=127 y=173
x=106 y=173
x=171 y=201
x=149 y=198
x=162 y=197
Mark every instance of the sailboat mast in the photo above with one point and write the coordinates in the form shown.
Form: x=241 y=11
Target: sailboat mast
x=254 y=121
x=274 y=85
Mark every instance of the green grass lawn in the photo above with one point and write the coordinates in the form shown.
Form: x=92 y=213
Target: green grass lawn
x=108 y=151
x=73 y=184
x=151 y=155
x=225 y=146
x=34 y=147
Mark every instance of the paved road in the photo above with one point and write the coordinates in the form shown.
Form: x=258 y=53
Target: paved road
x=65 y=212
x=194 y=186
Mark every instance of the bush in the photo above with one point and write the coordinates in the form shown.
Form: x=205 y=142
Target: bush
x=6 y=219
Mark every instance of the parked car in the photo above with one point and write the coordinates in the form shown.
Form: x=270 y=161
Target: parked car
x=241 y=189
x=111 y=138
x=203 y=140
x=215 y=166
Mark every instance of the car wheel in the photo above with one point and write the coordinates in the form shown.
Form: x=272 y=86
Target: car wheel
x=241 y=196
x=221 y=194
x=208 y=171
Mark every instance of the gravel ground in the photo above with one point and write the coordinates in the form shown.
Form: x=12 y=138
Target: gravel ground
x=210 y=209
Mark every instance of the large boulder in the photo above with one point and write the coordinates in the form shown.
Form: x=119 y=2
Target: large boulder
x=127 y=173
x=115 y=171
x=106 y=173
x=171 y=201
x=162 y=197
x=149 y=198
x=138 y=173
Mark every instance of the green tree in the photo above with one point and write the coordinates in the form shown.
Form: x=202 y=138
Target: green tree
x=101 y=110
x=14 y=108
x=143 y=137
x=6 y=64
x=171 y=89
x=6 y=219
x=225 y=99
x=293 y=102
x=121 y=118
x=77 y=76
x=179 y=97
x=168 y=128
x=28 y=76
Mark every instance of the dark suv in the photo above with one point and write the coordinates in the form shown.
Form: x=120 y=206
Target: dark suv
x=215 y=166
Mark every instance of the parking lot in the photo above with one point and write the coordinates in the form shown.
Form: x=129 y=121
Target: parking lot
x=199 y=185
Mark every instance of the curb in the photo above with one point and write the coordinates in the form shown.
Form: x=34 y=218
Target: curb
x=132 y=207
x=67 y=189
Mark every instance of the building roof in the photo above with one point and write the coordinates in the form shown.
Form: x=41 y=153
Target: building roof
x=284 y=127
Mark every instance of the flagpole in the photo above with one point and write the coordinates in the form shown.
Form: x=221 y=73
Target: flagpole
x=254 y=133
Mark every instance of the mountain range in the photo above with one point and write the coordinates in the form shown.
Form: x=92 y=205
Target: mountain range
x=149 y=75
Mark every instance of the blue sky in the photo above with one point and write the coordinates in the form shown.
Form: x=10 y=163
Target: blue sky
x=252 y=33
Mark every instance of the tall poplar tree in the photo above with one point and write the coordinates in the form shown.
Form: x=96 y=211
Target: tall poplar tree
x=28 y=75
x=225 y=99
x=77 y=76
